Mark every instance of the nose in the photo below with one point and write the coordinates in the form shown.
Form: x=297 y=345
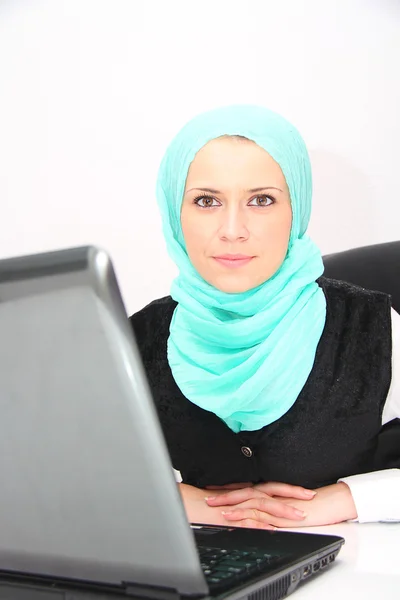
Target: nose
x=233 y=226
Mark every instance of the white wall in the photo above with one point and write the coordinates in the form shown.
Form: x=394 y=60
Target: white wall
x=91 y=92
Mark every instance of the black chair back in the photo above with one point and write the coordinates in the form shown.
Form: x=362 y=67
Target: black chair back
x=375 y=267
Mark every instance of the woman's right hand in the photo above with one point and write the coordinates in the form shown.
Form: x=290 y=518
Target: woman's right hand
x=197 y=510
x=204 y=506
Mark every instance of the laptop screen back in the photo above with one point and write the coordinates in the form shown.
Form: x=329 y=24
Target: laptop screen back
x=87 y=486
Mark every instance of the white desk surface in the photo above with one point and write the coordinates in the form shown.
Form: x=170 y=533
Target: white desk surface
x=367 y=567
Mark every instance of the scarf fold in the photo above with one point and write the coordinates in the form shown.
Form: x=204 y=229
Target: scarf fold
x=246 y=356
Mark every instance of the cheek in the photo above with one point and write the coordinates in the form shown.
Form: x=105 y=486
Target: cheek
x=196 y=236
x=275 y=232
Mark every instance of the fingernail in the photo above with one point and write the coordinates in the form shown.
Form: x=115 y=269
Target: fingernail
x=226 y=513
x=209 y=498
x=300 y=513
x=310 y=493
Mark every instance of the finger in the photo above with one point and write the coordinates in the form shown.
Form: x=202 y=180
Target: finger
x=271 y=507
x=252 y=524
x=286 y=490
x=233 y=497
x=263 y=522
x=246 y=515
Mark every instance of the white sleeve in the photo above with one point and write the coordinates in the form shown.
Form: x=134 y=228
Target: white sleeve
x=377 y=495
x=178 y=476
x=391 y=409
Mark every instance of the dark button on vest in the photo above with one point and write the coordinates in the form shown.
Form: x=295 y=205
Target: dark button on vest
x=246 y=451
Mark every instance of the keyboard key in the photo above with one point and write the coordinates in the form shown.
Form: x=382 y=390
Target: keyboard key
x=237 y=563
x=223 y=568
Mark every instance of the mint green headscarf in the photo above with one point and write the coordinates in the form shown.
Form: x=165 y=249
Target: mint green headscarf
x=244 y=357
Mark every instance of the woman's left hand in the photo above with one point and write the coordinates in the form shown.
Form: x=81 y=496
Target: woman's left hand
x=331 y=504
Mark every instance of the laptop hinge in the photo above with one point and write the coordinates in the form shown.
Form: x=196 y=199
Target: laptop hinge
x=151 y=592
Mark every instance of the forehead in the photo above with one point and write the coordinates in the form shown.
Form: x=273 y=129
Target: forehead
x=231 y=159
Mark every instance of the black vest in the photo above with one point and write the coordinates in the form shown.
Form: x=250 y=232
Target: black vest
x=332 y=430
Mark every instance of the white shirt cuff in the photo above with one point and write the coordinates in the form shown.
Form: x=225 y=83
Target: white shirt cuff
x=178 y=476
x=376 y=495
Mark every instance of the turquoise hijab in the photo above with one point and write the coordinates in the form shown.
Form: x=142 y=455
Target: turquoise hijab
x=246 y=356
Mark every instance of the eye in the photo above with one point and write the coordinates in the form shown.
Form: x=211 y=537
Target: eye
x=262 y=201
x=206 y=202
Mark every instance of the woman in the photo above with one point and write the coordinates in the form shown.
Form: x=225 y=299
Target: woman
x=268 y=378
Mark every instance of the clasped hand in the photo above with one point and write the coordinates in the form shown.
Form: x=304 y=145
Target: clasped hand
x=269 y=505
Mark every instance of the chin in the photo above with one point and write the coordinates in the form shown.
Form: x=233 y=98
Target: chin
x=235 y=287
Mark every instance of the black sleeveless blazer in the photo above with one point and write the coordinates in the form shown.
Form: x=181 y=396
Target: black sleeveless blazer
x=334 y=427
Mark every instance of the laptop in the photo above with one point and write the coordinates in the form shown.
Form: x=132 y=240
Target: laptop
x=89 y=505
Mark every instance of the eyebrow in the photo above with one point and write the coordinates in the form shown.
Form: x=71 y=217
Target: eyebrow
x=252 y=191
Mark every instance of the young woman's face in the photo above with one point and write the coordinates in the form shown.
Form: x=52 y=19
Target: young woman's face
x=236 y=214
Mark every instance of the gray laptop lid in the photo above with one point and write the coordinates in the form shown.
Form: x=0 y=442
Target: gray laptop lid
x=87 y=488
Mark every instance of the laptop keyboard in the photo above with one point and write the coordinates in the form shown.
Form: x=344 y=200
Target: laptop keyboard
x=225 y=568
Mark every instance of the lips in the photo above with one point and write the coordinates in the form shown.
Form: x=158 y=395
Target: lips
x=234 y=256
x=233 y=261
